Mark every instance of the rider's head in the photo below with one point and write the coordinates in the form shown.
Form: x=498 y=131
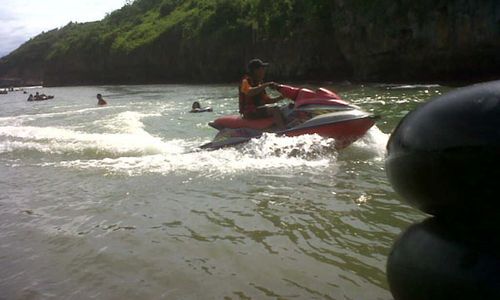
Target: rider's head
x=257 y=69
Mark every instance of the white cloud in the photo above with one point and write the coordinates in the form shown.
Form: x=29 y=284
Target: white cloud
x=23 y=19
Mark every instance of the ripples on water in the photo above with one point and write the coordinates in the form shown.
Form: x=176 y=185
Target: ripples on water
x=117 y=203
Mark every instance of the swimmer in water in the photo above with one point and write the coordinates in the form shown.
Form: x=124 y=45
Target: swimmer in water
x=196 y=108
x=101 y=101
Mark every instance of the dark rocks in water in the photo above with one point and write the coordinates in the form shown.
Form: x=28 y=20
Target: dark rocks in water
x=152 y=41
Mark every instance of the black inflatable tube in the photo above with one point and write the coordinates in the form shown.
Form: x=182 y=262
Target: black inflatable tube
x=433 y=261
x=444 y=157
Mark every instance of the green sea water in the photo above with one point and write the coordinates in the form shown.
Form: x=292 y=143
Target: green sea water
x=116 y=202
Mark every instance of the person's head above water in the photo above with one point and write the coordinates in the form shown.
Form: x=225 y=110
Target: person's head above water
x=257 y=69
x=100 y=100
x=196 y=105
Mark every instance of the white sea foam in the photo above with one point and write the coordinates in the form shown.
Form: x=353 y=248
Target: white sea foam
x=128 y=122
x=57 y=140
x=374 y=141
x=126 y=147
x=267 y=153
x=130 y=140
x=20 y=119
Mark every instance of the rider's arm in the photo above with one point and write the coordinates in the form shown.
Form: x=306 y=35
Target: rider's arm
x=254 y=91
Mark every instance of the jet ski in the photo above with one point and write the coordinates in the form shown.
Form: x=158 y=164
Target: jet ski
x=319 y=112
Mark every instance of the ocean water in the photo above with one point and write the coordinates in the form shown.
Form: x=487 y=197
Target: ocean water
x=117 y=202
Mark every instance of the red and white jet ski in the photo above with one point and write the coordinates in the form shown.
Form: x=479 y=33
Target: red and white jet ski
x=319 y=112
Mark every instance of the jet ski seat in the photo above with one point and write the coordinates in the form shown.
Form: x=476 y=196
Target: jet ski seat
x=236 y=121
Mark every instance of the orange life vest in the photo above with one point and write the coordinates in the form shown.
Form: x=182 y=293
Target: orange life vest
x=249 y=104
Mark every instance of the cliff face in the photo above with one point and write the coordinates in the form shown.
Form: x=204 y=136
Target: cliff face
x=419 y=40
x=210 y=41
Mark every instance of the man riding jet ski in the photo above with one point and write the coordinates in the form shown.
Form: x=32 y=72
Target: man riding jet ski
x=319 y=112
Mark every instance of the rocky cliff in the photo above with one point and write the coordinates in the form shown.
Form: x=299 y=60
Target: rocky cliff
x=151 y=41
x=419 y=40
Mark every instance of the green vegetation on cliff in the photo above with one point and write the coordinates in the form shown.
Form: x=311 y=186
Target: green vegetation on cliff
x=210 y=40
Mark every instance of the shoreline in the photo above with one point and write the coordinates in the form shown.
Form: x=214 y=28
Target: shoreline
x=450 y=83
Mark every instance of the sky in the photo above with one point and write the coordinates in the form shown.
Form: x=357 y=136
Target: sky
x=22 y=19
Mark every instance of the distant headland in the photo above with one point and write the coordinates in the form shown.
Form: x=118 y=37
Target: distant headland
x=162 y=41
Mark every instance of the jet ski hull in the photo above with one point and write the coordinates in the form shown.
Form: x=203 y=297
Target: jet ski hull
x=344 y=127
x=345 y=133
